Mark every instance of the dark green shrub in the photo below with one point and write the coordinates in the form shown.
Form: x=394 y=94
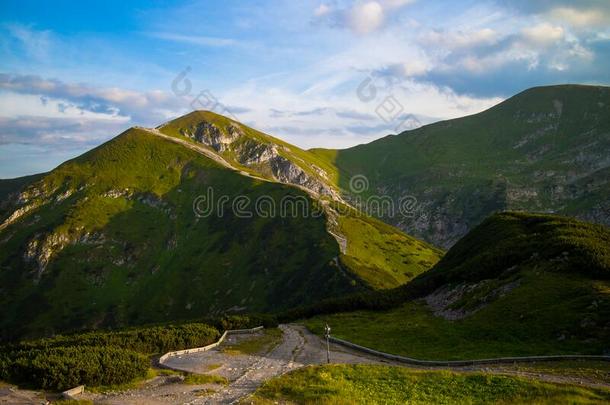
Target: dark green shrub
x=145 y=340
x=245 y=321
x=61 y=368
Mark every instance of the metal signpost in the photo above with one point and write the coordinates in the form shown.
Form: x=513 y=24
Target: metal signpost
x=327 y=335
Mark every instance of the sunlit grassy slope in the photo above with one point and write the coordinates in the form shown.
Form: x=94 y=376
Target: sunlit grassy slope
x=379 y=254
x=365 y=384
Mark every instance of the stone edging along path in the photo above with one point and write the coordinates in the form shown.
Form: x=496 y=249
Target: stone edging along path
x=459 y=363
x=208 y=347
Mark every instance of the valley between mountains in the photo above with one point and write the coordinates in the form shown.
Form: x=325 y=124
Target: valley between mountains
x=162 y=238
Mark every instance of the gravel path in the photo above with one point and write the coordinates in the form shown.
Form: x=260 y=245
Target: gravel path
x=298 y=348
x=15 y=396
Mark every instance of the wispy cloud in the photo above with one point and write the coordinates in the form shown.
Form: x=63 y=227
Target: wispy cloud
x=195 y=39
x=138 y=106
x=37 y=43
x=361 y=17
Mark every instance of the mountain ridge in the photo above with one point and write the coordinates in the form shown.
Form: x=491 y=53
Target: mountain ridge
x=536 y=151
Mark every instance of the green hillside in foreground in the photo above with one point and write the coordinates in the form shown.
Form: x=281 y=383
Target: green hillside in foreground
x=351 y=384
x=111 y=239
x=543 y=150
x=516 y=285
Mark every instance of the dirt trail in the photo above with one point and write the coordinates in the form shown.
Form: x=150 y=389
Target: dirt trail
x=298 y=348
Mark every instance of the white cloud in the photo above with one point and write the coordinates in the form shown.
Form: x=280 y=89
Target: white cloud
x=390 y=4
x=460 y=39
x=44 y=121
x=544 y=33
x=362 y=17
x=584 y=18
x=411 y=68
x=143 y=107
x=332 y=115
x=16 y=105
x=366 y=17
x=322 y=10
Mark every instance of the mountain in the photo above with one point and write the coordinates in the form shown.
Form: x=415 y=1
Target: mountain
x=546 y=149
x=517 y=284
x=204 y=215
x=123 y=235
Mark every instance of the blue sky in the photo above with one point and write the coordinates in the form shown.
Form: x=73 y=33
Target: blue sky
x=315 y=73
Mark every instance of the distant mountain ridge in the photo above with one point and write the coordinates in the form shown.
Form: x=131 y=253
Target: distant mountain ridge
x=546 y=149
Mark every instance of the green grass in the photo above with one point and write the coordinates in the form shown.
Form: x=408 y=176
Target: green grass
x=379 y=255
x=204 y=392
x=189 y=379
x=346 y=384
x=593 y=371
x=262 y=344
x=212 y=367
x=556 y=243
x=200 y=379
x=125 y=247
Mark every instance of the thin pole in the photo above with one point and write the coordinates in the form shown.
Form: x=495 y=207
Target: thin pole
x=327 y=335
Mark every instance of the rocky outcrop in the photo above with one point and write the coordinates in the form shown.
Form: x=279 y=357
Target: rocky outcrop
x=29 y=200
x=41 y=248
x=213 y=136
x=449 y=302
x=270 y=158
x=286 y=171
x=18 y=213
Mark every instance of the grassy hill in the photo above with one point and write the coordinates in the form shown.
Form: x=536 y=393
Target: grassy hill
x=518 y=284
x=111 y=238
x=543 y=150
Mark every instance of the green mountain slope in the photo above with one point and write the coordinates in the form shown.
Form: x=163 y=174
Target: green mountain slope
x=546 y=149
x=376 y=253
x=518 y=284
x=112 y=238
